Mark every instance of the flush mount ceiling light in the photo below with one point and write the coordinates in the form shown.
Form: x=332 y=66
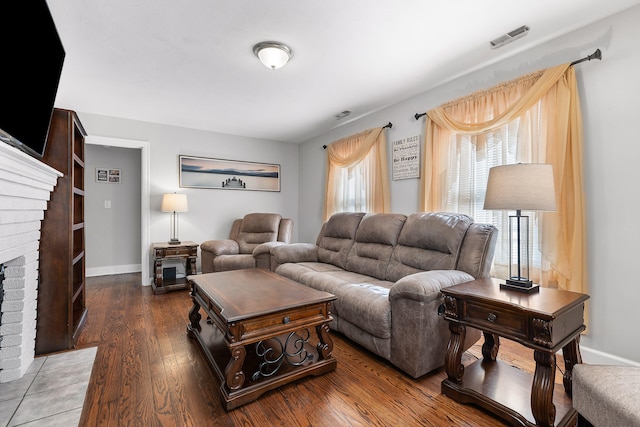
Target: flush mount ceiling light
x=273 y=55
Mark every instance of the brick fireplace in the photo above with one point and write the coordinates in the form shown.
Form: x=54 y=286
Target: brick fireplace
x=25 y=188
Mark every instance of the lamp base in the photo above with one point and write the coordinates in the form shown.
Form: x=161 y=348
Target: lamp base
x=520 y=284
x=174 y=242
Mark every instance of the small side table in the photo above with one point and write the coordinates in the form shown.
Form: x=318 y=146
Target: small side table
x=187 y=251
x=545 y=321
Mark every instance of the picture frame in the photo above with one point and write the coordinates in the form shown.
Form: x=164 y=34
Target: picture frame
x=108 y=175
x=223 y=174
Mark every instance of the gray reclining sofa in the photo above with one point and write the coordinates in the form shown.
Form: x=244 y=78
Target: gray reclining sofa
x=386 y=271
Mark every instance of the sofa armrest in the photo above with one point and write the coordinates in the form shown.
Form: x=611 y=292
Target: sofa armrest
x=265 y=248
x=293 y=252
x=221 y=247
x=211 y=249
x=262 y=254
x=415 y=306
x=425 y=286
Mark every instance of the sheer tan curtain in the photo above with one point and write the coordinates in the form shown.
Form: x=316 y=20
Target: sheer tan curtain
x=533 y=119
x=357 y=174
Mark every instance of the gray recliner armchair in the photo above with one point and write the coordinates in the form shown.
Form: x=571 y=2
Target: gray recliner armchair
x=249 y=243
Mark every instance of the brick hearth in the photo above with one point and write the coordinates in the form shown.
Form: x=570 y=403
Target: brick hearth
x=25 y=188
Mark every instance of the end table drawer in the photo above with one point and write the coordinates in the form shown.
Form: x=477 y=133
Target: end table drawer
x=271 y=324
x=493 y=318
x=172 y=252
x=176 y=251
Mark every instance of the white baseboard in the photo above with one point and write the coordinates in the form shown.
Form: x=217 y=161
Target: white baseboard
x=597 y=357
x=113 y=269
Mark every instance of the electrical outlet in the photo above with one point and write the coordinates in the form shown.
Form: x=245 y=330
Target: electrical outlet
x=107 y=204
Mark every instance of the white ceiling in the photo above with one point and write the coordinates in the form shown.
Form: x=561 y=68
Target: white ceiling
x=190 y=63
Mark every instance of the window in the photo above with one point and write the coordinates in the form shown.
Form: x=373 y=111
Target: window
x=470 y=159
x=533 y=119
x=357 y=176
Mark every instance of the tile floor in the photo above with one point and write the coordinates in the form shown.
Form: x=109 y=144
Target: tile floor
x=51 y=393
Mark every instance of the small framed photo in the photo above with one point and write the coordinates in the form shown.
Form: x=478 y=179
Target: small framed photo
x=108 y=175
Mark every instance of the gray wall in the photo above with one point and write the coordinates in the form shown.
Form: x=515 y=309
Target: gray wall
x=609 y=92
x=112 y=234
x=211 y=211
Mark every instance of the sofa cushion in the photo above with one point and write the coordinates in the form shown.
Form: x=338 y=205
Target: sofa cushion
x=257 y=228
x=373 y=245
x=328 y=278
x=366 y=305
x=428 y=241
x=316 y=275
x=338 y=237
x=607 y=395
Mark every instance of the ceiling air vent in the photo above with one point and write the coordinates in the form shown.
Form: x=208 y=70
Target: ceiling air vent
x=342 y=114
x=509 y=37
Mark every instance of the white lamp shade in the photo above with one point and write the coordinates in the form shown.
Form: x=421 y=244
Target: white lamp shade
x=522 y=186
x=273 y=55
x=172 y=202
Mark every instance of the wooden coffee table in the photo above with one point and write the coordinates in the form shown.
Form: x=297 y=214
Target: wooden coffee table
x=261 y=331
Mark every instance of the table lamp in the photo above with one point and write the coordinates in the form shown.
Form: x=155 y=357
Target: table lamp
x=520 y=187
x=174 y=203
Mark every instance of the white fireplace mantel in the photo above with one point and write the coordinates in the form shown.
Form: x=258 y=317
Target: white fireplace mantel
x=25 y=187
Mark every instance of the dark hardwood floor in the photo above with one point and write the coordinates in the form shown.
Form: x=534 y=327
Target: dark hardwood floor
x=148 y=372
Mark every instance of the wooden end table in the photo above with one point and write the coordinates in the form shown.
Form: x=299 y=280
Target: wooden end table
x=187 y=251
x=546 y=322
x=259 y=331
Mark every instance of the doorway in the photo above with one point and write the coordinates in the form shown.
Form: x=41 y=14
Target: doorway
x=143 y=146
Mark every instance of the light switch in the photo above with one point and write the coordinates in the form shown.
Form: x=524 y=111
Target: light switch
x=107 y=204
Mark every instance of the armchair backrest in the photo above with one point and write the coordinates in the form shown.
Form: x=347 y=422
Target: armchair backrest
x=257 y=228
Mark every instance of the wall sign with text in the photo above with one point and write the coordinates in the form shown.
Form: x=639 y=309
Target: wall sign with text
x=406 y=157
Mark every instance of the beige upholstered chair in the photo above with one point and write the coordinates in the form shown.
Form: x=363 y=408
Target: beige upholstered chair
x=606 y=395
x=249 y=243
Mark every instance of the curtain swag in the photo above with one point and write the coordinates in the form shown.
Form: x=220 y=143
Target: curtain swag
x=347 y=153
x=554 y=91
x=544 y=81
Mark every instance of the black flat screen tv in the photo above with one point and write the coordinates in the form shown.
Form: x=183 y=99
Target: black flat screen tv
x=32 y=55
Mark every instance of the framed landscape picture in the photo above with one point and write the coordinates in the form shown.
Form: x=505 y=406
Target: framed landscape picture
x=204 y=172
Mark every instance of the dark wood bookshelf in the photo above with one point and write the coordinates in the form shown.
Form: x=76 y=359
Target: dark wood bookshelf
x=62 y=306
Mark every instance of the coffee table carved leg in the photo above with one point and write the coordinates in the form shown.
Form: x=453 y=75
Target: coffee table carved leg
x=453 y=358
x=325 y=344
x=234 y=377
x=542 y=407
x=490 y=347
x=572 y=356
x=194 y=318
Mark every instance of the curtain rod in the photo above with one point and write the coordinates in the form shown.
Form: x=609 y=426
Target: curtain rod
x=388 y=125
x=595 y=55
